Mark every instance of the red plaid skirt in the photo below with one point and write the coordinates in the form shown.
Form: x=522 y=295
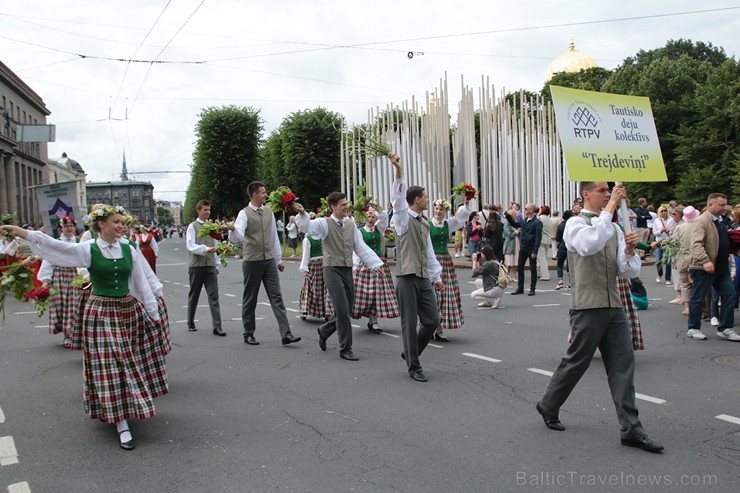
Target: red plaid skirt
x=123 y=369
x=448 y=301
x=77 y=335
x=314 y=300
x=629 y=307
x=374 y=294
x=63 y=305
x=163 y=341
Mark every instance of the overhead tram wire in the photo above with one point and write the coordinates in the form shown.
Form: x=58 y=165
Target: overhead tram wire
x=322 y=47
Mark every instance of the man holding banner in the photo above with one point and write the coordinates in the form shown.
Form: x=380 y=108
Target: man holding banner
x=597 y=252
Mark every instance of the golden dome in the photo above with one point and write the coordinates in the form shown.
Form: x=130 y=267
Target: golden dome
x=571 y=61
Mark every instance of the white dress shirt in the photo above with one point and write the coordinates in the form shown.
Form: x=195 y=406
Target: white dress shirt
x=401 y=213
x=306 y=256
x=455 y=222
x=141 y=238
x=240 y=226
x=319 y=229
x=194 y=247
x=380 y=225
x=588 y=240
x=78 y=255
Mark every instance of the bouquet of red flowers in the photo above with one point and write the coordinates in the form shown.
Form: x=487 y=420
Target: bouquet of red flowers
x=281 y=199
x=16 y=279
x=211 y=229
x=40 y=298
x=464 y=189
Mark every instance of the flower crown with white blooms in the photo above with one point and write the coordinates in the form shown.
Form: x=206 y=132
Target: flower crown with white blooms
x=103 y=212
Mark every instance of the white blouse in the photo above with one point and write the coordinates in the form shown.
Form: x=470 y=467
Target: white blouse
x=65 y=254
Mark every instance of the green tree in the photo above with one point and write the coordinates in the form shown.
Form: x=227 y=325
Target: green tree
x=310 y=153
x=225 y=158
x=271 y=168
x=164 y=216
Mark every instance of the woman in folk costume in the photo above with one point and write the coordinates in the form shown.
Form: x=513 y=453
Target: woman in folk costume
x=314 y=301
x=148 y=246
x=63 y=304
x=122 y=366
x=375 y=294
x=448 y=301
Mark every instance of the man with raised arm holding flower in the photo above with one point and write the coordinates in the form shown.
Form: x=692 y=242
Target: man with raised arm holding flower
x=417 y=266
x=340 y=239
x=255 y=229
x=203 y=269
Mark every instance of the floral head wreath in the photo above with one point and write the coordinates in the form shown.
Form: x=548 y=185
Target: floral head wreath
x=105 y=211
x=443 y=203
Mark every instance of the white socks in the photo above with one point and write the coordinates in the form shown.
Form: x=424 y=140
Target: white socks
x=123 y=431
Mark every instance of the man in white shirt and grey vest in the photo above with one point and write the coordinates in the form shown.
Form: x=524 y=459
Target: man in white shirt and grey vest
x=417 y=266
x=203 y=269
x=598 y=251
x=262 y=259
x=340 y=238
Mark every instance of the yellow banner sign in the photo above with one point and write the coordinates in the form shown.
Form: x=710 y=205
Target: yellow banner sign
x=607 y=137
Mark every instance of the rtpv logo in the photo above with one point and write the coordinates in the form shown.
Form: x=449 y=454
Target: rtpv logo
x=584 y=117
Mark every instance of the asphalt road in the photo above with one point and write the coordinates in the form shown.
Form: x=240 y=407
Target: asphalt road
x=273 y=418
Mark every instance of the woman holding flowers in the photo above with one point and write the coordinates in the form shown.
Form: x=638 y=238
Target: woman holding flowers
x=448 y=300
x=64 y=302
x=124 y=370
x=375 y=294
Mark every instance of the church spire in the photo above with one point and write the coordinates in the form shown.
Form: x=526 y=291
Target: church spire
x=124 y=171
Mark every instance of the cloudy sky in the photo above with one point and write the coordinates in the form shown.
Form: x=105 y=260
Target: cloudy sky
x=282 y=56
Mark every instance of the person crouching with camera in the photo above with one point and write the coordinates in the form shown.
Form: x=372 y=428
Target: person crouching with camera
x=490 y=285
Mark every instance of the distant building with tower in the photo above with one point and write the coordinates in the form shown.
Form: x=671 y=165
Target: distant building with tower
x=137 y=197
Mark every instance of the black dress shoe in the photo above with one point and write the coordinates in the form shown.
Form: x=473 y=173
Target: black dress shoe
x=290 y=338
x=192 y=329
x=419 y=376
x=219 y=332
x=440 y=338
x=322 y=341
x=349 y=356
x=249 y=339
x=644 y=443
x=403 y=356
x=531 y=292
x=552 y=422
x=374 y=328
x=518 y=291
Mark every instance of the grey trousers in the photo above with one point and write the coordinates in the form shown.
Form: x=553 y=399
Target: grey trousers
x=418 y=304
x=341 y=287
x=606 y=329
x=256 y=273
x=199 y=277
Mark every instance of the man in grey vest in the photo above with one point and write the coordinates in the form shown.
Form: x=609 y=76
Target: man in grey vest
x=417 y=265
x=597 y=252
x=340 y=238
x=203 y=269
x=262 y=259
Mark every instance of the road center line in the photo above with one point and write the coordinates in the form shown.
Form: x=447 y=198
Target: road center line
x=230 y=295
x=548 y=304
x=541 y=372
x=435 y=345
x=291 y=309
x=24 y=313
x=19 y=488
x=390 y=335
x=729 y=419
x=2 y=416
x=484 y=358
x=171 y=265
x=654 y=400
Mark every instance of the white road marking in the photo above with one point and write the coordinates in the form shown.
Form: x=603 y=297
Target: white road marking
x=2 y=416
x=230 y=295
x=541 y=372
x=484 y=358
x=434 y=345
x=24 y=313
x=654 y=400
x=565 y=294
x=236 y=319
x=170 y=265
x=294 y=302
x=199 y=306
x=19 y=488
x=729 y=419
x=291 y=309
x=353 y=325
x=186 y=285
x=183 y=321
x=41 y=326
x=390 y=335
x=165 y=280
x=549 y=304
x=176 y=283
x=264 y=303
x=8 y=453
